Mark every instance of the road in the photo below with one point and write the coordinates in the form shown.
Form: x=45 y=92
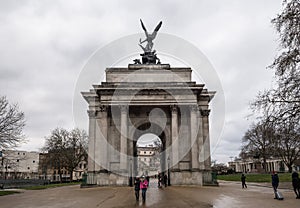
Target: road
x=228 y=194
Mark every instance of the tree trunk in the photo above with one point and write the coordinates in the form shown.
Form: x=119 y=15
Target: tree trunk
x=60 y=175
x=71 y=175
x=265 y=165
x=290 y=168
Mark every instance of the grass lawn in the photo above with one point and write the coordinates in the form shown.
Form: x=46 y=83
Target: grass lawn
x=283 y=177
x=3 y=193
x=50 y=186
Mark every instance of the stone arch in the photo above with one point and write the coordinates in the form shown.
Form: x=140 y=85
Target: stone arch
x=132 y=120
x=155 y=129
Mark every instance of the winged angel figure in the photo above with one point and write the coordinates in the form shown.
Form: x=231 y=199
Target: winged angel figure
x=149 y=37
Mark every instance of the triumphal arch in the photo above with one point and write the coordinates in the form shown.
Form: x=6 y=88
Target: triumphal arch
x=148 y=97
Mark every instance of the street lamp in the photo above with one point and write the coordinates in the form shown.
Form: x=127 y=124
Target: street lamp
x=169 y=183
x=130 y=173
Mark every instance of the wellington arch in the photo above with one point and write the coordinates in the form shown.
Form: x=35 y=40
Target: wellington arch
x=148 y=97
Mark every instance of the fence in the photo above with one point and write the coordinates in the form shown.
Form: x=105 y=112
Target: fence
x=20 y=183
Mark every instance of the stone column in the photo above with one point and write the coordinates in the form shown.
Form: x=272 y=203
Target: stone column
x=194 y=142
x=123 y=142
x=175 y=142
x=207 y=162
x=91 y=144
x=200 y=142
x=101 y=139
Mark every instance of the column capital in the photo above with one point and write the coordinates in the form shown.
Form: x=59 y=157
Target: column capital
x=205 y=112
x=103 y=108
x=124 y=108
x=174 y=108
x=92 y=113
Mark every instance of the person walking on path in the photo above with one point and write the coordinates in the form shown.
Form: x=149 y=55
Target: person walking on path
x=166 y=180
x=137 y=188
x=296 y=184
x=243 y=179
x=144 y=186
x=159 y=181
x=275 y=183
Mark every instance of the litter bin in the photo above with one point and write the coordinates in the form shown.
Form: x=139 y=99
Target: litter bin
x=214 y=177
x=84 y=179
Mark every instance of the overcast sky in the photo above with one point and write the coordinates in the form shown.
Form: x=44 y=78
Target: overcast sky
x=45 y=45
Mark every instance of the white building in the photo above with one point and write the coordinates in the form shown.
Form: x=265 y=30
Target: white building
x=256 y=166
x=148 y=160
x=16 y=164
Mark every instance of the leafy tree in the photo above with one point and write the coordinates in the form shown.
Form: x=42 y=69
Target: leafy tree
x=12 y=122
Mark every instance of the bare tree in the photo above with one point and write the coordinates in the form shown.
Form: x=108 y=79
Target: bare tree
x=76 y=150
x=284 y=99
x=12 y=122
x=258 y=141
x=55 y=146
x=286 y=143
x=66 y=149
x=281 y=105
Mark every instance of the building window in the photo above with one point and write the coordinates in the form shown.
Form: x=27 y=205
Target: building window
x=84 y=165
x=18 y=153
x=17 y=160
x=144 y=159
x=144 y=152
x=23 y=153
x=150 y=152
x=28 y=168
x=33 y=161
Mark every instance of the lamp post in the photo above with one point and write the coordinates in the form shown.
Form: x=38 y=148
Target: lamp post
x=130 y=173
x=169 y=183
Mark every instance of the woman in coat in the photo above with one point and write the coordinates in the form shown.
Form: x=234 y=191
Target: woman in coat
x=144 y=186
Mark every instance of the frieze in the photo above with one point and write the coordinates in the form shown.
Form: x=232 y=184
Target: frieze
x=193 y=108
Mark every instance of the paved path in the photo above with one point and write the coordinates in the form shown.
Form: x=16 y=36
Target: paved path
x=227 y=195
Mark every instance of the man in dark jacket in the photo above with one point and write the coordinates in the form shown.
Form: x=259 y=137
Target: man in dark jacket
x=275 y=183
x=243 y=179
x=137 y=188
x=296 y=184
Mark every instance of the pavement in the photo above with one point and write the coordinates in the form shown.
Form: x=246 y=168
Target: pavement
x=228 y=194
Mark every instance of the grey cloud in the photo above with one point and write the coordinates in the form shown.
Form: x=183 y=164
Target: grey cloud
x=44 y=45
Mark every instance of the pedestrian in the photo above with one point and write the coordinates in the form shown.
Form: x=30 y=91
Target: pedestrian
x=166 y=180
x=159 y=180
x=275 y=183
x=296 y=184
x=137 y=188
x=243 y=179
x=144 y=186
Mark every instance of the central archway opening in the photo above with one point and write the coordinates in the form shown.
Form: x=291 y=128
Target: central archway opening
x=149 y=148
x=149 y=145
